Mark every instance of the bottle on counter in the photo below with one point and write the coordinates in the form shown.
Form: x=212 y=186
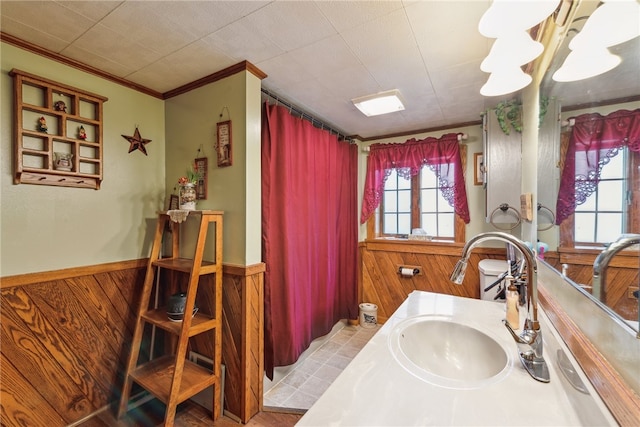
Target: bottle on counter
x=512 y=297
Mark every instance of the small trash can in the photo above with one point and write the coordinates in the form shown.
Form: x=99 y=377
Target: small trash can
x=368 y=315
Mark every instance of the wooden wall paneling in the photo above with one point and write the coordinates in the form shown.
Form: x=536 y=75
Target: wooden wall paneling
x=255 y=351
x=22 y=404
x=73 y=319
x=204 y=344
x=232 y=343
x=47 y=276
x=48 y=365
x=383 y=286
x=53 y=325
x=119 y=288
x=100 y=310
x=243 y=337
x=622 y=274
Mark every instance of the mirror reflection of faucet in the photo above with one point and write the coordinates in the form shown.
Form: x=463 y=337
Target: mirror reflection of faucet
x=529 y=342
x=601 y=264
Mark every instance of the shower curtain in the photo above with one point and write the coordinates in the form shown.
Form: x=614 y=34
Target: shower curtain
x=309 y=233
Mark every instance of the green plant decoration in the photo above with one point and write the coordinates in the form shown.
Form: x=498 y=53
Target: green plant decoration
x=544 y=104
x=509 y=114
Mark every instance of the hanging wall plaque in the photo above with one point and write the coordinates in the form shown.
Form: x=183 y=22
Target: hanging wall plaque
x=201 y=171
x=223 y=147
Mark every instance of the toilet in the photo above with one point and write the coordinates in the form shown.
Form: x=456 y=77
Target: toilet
x=490 y=270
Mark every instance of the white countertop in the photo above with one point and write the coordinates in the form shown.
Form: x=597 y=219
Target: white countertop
x=375 y=390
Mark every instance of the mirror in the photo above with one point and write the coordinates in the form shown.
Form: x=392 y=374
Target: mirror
x=612 y=91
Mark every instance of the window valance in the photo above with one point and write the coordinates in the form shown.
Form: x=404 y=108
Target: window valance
x=442 y=155
x=594 y=140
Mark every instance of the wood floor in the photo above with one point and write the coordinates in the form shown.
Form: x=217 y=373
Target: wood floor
x=189 y=414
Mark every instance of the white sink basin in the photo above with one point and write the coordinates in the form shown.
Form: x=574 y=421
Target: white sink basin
x=449 y=354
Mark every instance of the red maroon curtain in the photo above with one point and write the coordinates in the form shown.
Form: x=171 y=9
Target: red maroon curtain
x=441 y=155
x=594 y=140
x=309 y=233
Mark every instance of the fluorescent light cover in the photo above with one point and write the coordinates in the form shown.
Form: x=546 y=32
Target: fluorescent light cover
x=582 y=64
x=506 y=81
x=380 y=103
x=512 y=50
x=507 y=16
x=610 y=24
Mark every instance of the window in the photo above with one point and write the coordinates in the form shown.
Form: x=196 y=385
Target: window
x=416 y=203
x=610 y=211
x=599 y=194
x=396 y=205
x=412 y=197
x=436 y=215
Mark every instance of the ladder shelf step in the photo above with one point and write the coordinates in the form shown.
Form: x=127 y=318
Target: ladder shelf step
x=156 y=376
x=199 y=323
x=185 y=265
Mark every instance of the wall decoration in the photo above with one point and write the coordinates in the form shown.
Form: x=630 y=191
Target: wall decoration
x=42 y=124
x=136 y=142
x=223 y=147
x=173 y=202
x=60 y=106
x=201 y=165
x=41 y=163
x=478 y=169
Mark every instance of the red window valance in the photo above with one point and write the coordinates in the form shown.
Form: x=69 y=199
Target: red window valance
x=594 y=140
x=441 y=155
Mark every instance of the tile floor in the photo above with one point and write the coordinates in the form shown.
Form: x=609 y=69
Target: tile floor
x=302 y=386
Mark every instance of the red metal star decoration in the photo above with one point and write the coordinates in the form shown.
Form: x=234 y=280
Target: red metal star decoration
x=137 y=142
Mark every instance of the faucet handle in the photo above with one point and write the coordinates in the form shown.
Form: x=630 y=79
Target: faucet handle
x=528 y=335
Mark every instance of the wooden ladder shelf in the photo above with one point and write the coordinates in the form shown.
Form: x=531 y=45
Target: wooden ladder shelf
x=172 y=378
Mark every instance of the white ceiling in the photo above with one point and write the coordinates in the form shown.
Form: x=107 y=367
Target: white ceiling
x=318 y=55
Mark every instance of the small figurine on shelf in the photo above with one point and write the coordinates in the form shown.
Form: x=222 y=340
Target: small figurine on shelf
x=82 y=134
x=42 y=124
x=60 y=106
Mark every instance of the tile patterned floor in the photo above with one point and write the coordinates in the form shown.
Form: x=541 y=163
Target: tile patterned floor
x=305 y=384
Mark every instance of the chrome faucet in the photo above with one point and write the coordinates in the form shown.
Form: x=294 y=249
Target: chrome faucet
x=602 y=262
x=530 y=340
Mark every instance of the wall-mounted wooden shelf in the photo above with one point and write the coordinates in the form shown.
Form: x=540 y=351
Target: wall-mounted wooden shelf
x=34 y=149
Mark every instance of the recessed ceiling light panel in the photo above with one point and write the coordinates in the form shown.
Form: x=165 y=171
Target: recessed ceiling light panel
x=380 y=103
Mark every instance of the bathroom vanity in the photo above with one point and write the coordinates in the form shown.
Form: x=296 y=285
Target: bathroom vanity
x=446 y=360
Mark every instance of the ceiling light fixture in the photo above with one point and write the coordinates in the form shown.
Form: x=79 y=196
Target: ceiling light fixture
x=582 y=64
x=508 y=16
x=504 y=81
x=381 y=103
x=517 y=49
x=508 y=21
x=612 y=23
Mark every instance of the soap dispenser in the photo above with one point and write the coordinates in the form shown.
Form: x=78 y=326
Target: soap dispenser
x=512 y=297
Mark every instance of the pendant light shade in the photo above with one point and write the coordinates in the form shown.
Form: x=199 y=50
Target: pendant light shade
x=582 y=64
x=505 y=81
x=515 y=50
x=612 y=23
x=508 y=16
